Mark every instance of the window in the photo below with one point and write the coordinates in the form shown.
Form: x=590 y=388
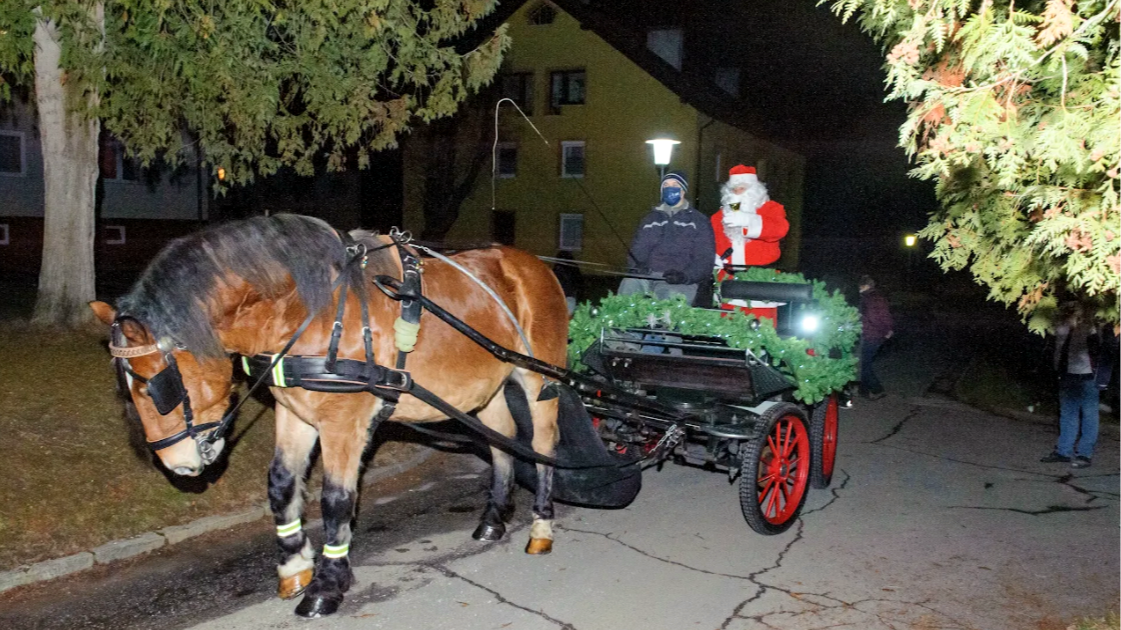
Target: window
x=572 y=159
x=112 y=161
x=571 y=232
x=542 y=15
x=507 y=160
x=667 y=44
x=114 y=235
x=5 y=236
x=12 y=153
x=502 y=226
x=518 y=87
x=567 y=88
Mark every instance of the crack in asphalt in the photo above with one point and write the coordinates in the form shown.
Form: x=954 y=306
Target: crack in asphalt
x=501 y=599
x=1065 y=479
x=1050 y=509
x=832 y=490
x=915 y=410
x=439 y=565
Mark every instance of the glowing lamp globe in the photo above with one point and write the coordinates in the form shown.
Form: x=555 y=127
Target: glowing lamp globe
x=663 y=150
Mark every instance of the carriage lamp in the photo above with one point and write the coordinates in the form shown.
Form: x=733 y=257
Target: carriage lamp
x=910 y=240
x=663 y=151
x=810 y=323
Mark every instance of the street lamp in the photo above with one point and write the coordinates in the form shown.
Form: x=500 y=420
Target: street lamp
x=663 y=151
x=909 y=240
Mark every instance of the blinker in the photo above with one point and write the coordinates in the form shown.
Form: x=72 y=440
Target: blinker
x=166 y=389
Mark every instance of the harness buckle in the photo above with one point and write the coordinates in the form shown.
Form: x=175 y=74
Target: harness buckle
x=399 y=380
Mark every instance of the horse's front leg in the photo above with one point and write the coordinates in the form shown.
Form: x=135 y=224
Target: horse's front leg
x=294 y=441
x=343 y=438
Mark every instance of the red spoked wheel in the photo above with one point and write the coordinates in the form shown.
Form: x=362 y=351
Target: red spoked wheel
x=823 y=438
x=775 y=470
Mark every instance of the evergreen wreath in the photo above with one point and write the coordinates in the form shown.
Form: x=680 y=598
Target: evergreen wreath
x=829 y=368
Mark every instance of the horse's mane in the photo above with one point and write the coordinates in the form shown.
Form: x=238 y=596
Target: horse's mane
x=270 y=253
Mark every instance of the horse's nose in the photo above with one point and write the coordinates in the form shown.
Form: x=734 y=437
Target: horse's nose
x=186 y=471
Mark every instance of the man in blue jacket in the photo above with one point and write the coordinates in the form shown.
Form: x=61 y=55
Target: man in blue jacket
x=673 y=242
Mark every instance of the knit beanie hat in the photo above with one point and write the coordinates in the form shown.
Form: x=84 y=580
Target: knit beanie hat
x=678 y=177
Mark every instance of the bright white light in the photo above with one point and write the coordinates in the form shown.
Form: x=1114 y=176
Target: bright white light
x=810 y=323
x=909 y=240
x=663 y=150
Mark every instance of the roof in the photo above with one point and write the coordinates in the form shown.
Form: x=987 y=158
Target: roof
x=693 y=89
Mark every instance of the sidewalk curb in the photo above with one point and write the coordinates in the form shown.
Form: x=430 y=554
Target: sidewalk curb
x=150 y=541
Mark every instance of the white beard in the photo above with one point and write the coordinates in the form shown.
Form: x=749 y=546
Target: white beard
x=736 y=220
x=750 y=201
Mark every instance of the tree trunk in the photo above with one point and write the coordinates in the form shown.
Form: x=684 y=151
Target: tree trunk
x=69 y=139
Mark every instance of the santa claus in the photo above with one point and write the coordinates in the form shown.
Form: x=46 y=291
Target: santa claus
x=748 y=229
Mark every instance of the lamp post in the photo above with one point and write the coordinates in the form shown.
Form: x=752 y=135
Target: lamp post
x=909 y=241
x=663 y=151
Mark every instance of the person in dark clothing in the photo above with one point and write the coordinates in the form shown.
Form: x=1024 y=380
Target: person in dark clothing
x=570 y=278
x=674 y=242
x=875 y=319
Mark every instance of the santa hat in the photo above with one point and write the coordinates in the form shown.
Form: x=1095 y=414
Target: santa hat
x=740 y=174
x=678 y=177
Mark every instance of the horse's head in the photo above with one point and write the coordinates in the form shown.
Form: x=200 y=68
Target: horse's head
x=179 y=397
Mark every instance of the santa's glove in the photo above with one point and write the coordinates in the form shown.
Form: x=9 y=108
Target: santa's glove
x=674 y=276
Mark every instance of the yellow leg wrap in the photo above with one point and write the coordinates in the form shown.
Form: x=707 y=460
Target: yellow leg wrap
x=406 y=334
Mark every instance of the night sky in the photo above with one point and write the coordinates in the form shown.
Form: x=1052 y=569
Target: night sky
x=820 y=85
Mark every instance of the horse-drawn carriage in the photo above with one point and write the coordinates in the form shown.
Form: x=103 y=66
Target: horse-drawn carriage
x=482 y=339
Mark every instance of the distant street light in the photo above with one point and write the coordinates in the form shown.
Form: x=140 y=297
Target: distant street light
x=909 y=240
x=221 y=174
x=663 y=151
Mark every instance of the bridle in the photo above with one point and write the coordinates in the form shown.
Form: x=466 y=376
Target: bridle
x=167 y=391
x=166 y=388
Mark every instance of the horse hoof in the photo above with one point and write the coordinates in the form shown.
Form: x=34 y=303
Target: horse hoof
x=539 y=546
x=489 y=533
x=293 y=585
x=312 y=606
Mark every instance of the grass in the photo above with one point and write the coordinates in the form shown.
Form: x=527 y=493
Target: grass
x=1109 y=622
x=75 y=475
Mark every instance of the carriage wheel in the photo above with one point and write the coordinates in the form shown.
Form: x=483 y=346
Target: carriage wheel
x=775 y=470
x=823 y=438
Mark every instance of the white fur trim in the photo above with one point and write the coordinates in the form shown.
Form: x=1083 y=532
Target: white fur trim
x=754 y=226
x=541 y=529
x=297 y=563
x=747 y=179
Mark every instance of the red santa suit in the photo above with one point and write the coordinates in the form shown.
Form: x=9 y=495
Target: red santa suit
x=748 y=229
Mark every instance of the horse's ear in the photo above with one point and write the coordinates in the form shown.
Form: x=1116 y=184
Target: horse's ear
x=104 y=312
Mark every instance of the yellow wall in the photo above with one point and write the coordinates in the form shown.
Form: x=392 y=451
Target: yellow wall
x=624 y=106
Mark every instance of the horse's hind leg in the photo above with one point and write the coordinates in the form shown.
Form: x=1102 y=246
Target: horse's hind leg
x=294 y=442
x=545 y=438
x=343 y=439
x=500 y=504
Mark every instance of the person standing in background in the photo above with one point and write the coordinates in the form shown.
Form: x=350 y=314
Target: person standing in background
x=1078 y=390
x=877 y=325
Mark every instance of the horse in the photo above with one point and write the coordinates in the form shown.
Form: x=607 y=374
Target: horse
x=244 y=288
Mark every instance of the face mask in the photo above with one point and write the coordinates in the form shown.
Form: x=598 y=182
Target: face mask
x=671 y=195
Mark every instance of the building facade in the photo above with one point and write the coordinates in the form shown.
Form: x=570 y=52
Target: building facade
x=577 y=173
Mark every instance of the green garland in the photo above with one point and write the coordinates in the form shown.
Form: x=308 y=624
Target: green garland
x=816 y=376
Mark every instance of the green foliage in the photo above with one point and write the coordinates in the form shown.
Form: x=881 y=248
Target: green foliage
x=259 y=83
x=830 y=367
x=1014 y=113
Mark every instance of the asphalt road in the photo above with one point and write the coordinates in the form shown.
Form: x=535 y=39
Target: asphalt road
x=940 y=516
